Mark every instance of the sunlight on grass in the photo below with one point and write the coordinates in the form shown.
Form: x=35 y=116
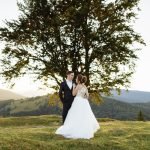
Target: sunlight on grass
x=38 y=132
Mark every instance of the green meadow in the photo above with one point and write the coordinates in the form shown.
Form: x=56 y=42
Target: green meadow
x=38 y=133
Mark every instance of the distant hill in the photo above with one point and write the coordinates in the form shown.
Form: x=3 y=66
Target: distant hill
x=6 y=95
x=132 y=96
x=110 y=108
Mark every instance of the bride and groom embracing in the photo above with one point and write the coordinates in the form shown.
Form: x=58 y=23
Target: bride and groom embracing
x=78 y=118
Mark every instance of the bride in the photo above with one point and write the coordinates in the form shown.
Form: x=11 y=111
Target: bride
x=80 y=121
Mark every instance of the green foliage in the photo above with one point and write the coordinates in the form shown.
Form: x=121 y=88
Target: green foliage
x=89 y=36
x=140 y=116
x=54 y=100
x=95 y=97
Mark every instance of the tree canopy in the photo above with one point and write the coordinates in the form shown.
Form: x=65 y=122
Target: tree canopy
x=94 y=37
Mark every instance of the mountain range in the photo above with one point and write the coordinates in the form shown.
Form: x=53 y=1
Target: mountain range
x=109 y=108
x=131 y=96
x=123 y=107
x=6 y=95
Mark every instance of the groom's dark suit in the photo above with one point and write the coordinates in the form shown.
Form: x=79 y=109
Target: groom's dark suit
x=65 y=94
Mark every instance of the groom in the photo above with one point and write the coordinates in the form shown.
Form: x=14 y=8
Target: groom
x=65 y=93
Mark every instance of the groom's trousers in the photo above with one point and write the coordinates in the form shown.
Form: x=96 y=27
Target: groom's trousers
x=66 y=107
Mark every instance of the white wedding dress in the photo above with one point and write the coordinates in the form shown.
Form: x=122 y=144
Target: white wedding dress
x=80 y=121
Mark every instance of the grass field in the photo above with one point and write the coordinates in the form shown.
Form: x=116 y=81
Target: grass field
x=38 y=133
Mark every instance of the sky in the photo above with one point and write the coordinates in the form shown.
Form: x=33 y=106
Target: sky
x=140 y=80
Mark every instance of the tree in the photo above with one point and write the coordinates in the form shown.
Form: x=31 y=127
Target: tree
x=94 y=37
x=140 y=116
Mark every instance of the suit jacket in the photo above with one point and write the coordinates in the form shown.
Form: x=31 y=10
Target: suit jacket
x=65 y=93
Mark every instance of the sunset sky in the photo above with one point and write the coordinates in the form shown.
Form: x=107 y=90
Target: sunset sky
x=141 y=78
